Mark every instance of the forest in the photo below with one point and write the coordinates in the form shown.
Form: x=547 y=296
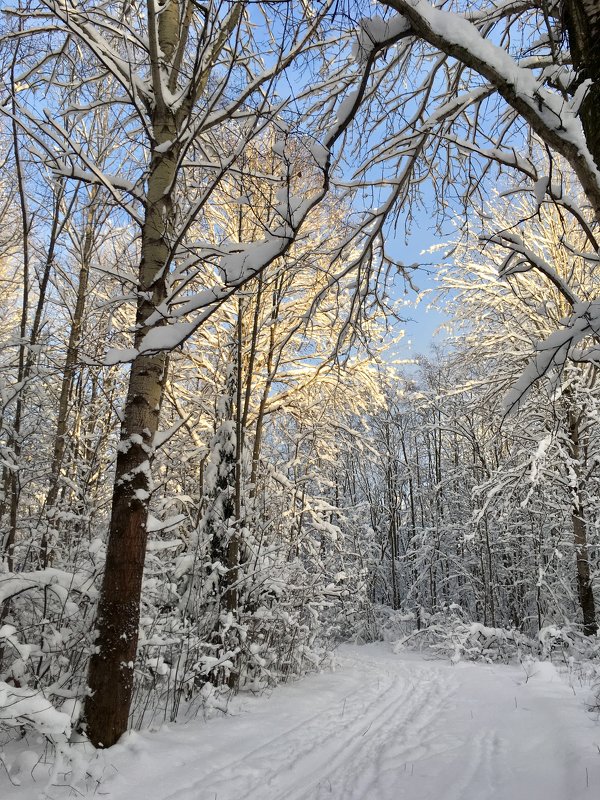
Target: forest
x=218 y=458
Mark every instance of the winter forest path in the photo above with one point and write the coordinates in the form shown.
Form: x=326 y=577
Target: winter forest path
x=380 y=727
x=383 y=727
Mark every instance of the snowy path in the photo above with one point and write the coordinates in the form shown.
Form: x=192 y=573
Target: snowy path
x=382 y=727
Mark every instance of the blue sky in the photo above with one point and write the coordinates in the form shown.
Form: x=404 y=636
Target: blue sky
x=422 y=320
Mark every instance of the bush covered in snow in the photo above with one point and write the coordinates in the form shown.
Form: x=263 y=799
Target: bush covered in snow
x=448 y=634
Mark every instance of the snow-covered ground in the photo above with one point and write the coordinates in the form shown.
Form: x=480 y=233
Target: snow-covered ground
x=382 y=726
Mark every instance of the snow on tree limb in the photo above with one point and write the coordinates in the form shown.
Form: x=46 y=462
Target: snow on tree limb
x=553 y=118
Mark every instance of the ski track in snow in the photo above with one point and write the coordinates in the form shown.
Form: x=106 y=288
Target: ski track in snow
x=381 y=727
x=343 y=752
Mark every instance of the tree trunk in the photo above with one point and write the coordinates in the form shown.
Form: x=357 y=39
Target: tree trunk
x=582 y=21
x=14 y=483
x=111 y=667
x=69 y=371
x=584 y=583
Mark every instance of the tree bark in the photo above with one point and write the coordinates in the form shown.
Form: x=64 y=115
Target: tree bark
x=111 y=666
x=432 y=29
x=584 y=583
x=69 y=372
x=14 y=482
x=582 y=21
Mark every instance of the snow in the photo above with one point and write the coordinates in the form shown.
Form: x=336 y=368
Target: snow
x=21 y=707
x=60 y=582
x=119 y=356
x=161 y=437
x=553 y=112
x=346 y=106
x=154 y=525
x=320 y=153
x=539 y=189
x=166 y=337
x=247 y=260
x=553 y=351
x=372 y=32
x=456 y=105
x=382 y=726
x=8 y=635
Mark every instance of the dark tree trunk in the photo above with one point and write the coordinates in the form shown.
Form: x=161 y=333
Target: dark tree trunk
x=69 y=372
x=584 y=582
x=111 y=667
x=582 y=21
